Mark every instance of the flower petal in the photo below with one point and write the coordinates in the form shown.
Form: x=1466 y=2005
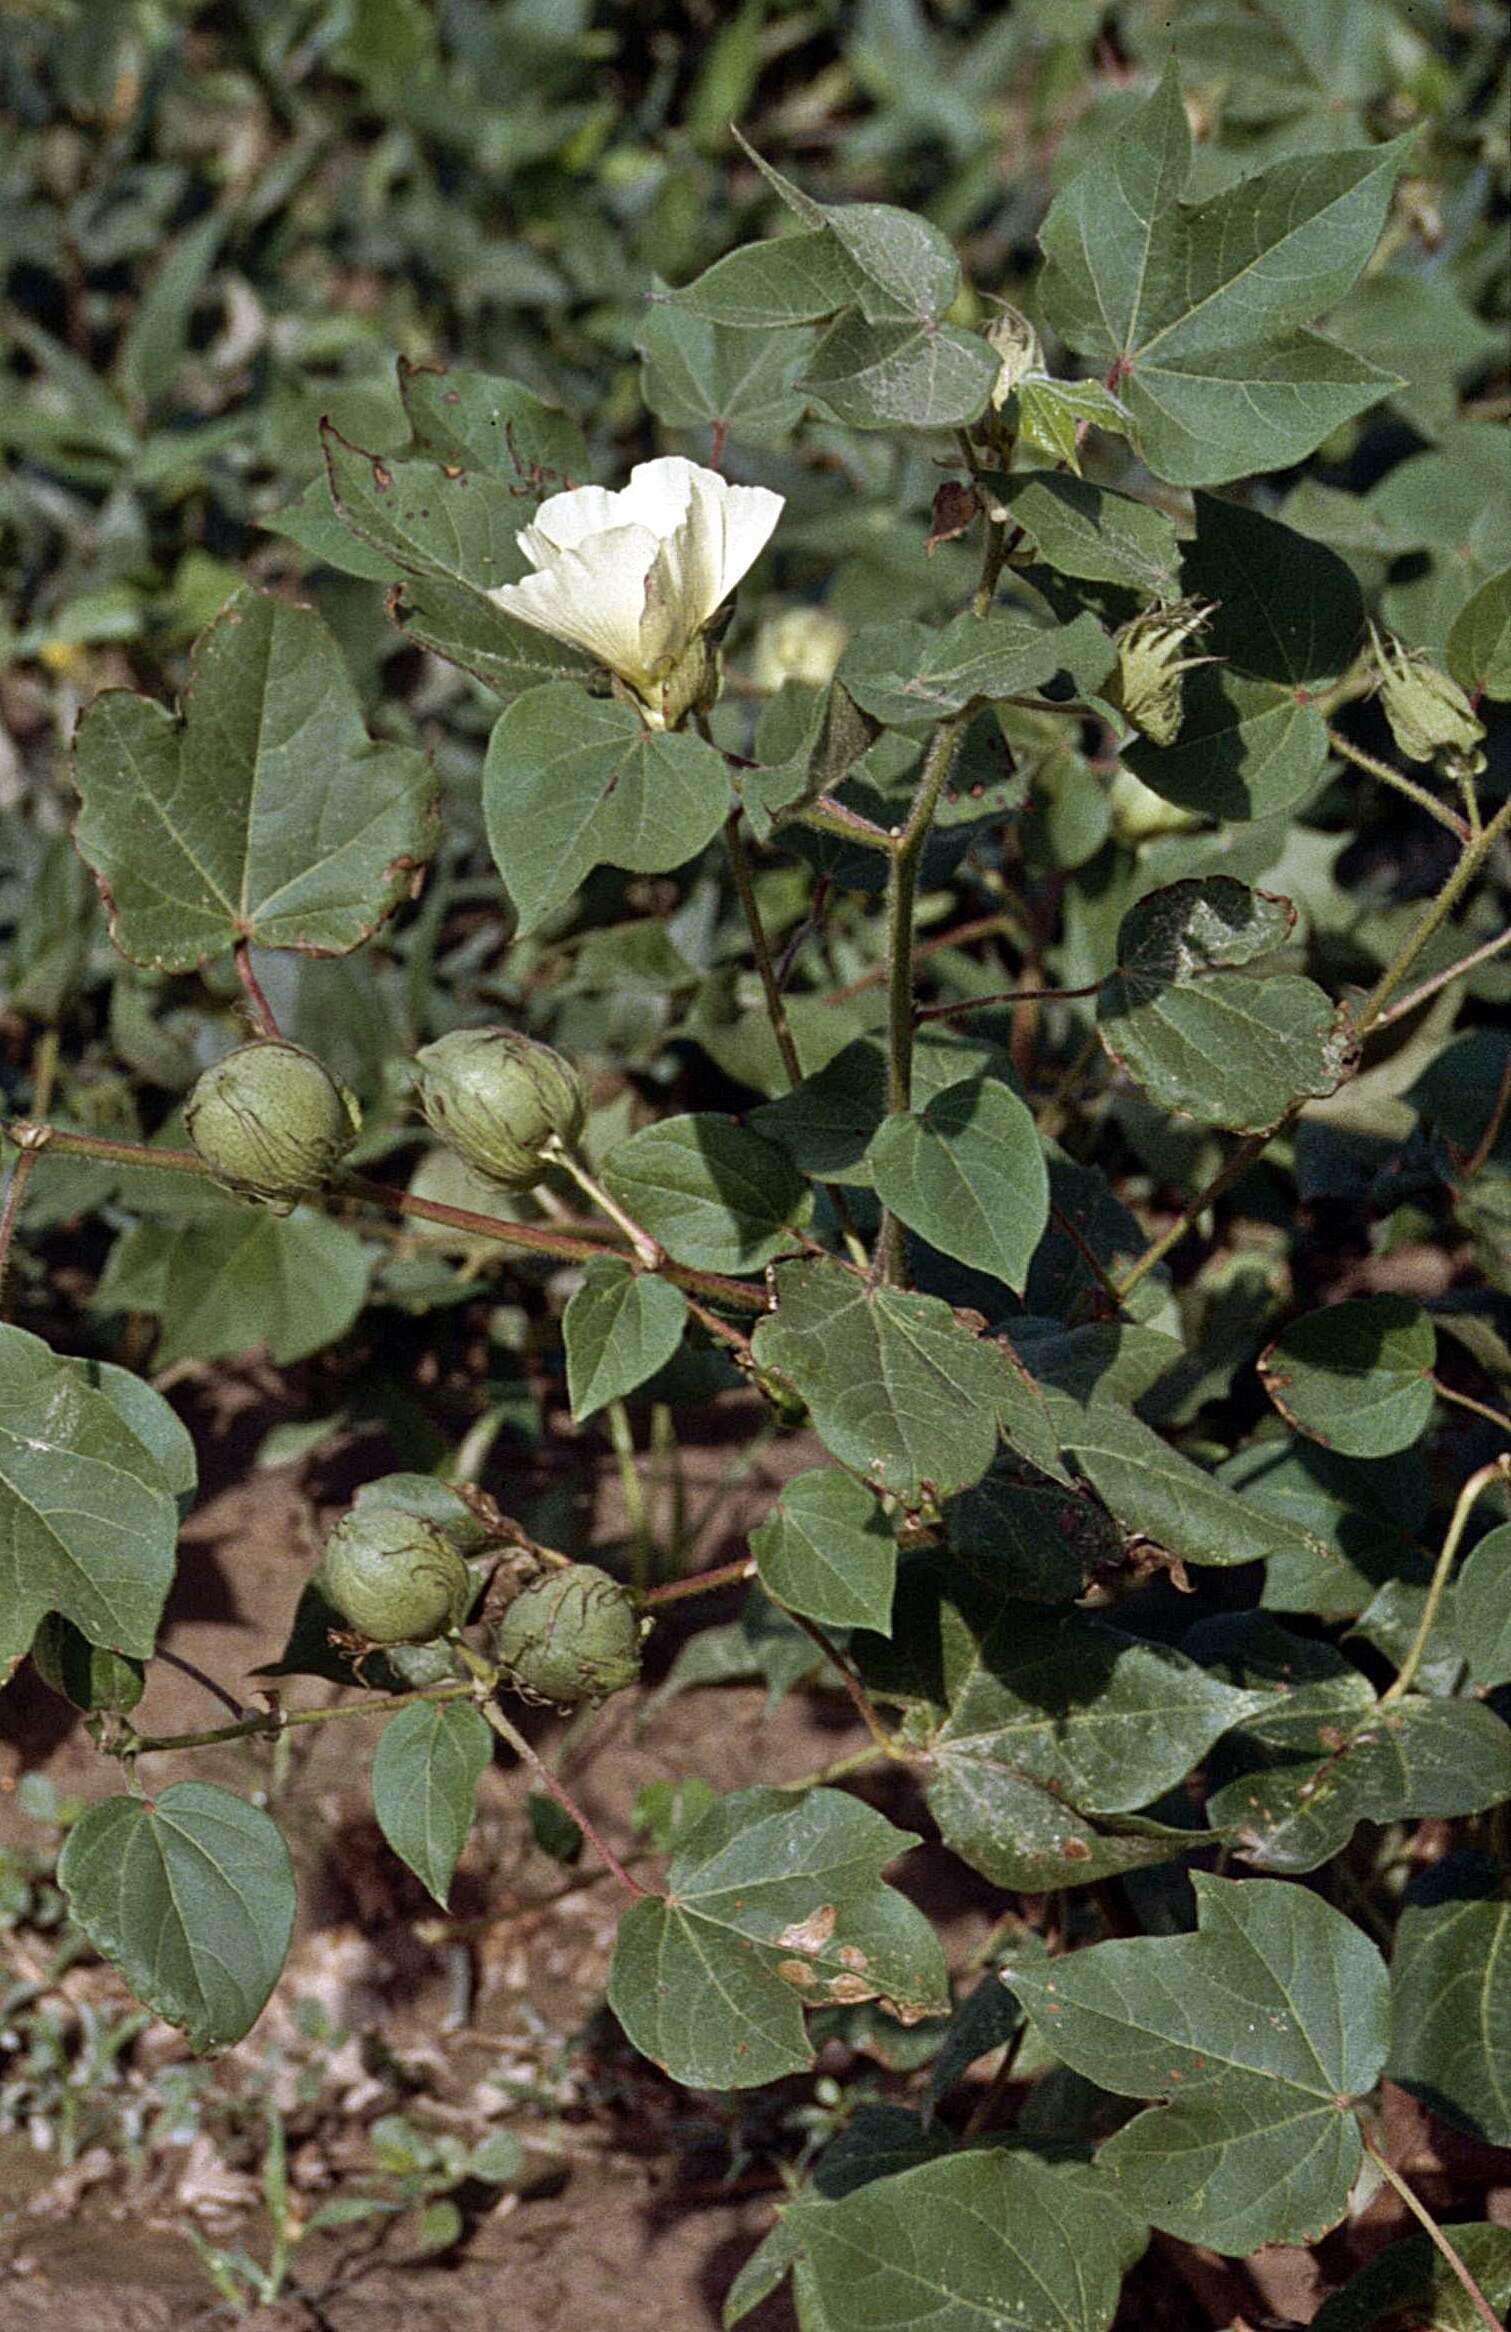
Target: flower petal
x=563 y=521
x=594 y=598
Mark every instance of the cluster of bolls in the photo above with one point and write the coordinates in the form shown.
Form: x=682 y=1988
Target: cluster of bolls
x=272 y=1126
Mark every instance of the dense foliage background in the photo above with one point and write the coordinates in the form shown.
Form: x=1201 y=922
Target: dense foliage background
x=239 y=240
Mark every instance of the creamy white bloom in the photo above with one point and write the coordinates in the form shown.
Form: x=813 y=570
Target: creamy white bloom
x=633 y=577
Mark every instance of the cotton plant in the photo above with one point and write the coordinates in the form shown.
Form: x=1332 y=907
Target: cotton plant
x=1103 y=716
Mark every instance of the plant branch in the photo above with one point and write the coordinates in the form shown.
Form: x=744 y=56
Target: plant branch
x=1475 y=854
x=1434 y=2233
x=648 y=1251
x=15 y=1191
x=1002 y=996
x=700 y=1583
x=1480 y=1408
x=557 y=1789
x=902 y=892
x=261 y=1010
x=1429 y=988
x=1388 y=775
x=860 y=1699
x=268 y=1723
x=776 y=1004
x=1470 y=1495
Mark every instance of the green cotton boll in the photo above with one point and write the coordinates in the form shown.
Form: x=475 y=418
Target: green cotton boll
x=271 y=1123
x=573 y=1636
x=394 y=1578
x=89 y=1675
x=1431 y=718
x=502 y=1101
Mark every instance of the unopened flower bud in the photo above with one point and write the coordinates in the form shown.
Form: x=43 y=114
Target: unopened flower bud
x=802 y=643
x=1431 y=719
x=1018 y=344
x=1146 y=684
x=572 y=1636
x=503 y=1102
x=271 y=1123
x=394 y=1577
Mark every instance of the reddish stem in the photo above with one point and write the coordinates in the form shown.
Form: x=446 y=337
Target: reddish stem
x=261 y=1009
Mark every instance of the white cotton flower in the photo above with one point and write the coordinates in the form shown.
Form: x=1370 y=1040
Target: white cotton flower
x=634 y=577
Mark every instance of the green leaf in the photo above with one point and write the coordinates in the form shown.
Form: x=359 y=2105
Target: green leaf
x=1412 y=2283
x=887 y=264
x=1198 y=1031
x=1088 y=531
x=701 y=375
x=919 y=375
x=263 y=812
x=311 y=520
x=1051 y=415
x=1256 y=2034
x=619 y=1328
x=1032 y=1537
x=573 y=782
x=967 y=1173
x=238 y=1277
x=1293 y=1784
x=989 y=2241
x=826 y=1550
x=465 y=629
x=155 y=342
x=488 y=422
x=714 y=1194
x=425 y=1771
x=909 y=675
x=898 y=1388
x=1157 y=1493
x=88 y=1514
x=826 y=1123
x=1450 y=1980
x=1482 y=1609
x=1287 y=608
x=1356 y=1376
x=1247 y=748
x=428 y=519
x=1479 y=639
x=771 y=1905
x=191 y=1896
x=1195 y=307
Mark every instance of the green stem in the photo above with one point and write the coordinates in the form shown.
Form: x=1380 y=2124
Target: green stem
x=1429 y=988
x=826 y=816
x=1388 y=775
x=860 y=1699
x=271 y=1722
x=263 y=1017
x=776 y=1003
x=1434 y=2233
x=902 y=893
x=1003 y=996
x=1473 y=1490
x=1474 y=857
x=631 y=1490
x=648 y=1251
x=1483 y=1409
x=857 y=1762
x=15 y=1192
x=557 y=1789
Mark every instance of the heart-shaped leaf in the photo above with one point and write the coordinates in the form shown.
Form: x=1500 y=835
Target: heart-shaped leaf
x=263 y=812
x=191 y=1896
